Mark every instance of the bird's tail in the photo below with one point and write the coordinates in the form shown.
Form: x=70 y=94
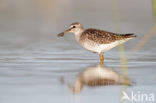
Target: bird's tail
x=131 y=35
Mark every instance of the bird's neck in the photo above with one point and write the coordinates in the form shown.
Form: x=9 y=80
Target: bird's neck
x=78 y=34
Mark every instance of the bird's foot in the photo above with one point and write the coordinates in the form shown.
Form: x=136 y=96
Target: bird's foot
x=101 y=59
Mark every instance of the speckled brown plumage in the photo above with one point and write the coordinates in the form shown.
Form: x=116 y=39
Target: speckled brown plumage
x=103 y=37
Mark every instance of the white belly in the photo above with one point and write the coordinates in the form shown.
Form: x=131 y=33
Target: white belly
x=100 y=48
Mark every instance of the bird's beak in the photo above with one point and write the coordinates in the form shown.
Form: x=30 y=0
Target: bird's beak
x=62 y=34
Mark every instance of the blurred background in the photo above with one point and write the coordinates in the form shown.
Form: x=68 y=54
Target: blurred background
x=36 y=66
x=24 y=23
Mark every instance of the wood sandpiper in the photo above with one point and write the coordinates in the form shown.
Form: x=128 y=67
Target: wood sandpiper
x=95 y=40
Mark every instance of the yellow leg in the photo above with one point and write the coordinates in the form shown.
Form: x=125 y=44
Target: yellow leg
x=101 y=58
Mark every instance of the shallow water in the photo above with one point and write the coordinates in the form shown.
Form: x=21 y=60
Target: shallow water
x=37 y=67
x=44 y=75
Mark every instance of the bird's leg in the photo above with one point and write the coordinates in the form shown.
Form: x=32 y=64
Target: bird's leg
x=101 y=58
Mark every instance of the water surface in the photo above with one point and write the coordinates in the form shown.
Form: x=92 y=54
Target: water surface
x=37 y=67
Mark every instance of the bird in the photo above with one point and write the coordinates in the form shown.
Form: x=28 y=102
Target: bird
x=96 y=40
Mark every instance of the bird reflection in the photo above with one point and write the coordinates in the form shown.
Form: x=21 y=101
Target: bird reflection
x=98 y=75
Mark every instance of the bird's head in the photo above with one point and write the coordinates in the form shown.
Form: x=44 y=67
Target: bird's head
x=75 y=28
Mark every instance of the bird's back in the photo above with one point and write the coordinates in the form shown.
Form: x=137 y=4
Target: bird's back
x=103 y=37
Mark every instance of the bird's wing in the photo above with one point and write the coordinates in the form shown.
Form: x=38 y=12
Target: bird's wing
x=103 y=37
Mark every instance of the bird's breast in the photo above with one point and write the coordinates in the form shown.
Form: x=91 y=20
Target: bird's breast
x=89 y=45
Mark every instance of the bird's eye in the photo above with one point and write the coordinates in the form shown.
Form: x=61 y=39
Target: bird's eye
x=74 y=26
